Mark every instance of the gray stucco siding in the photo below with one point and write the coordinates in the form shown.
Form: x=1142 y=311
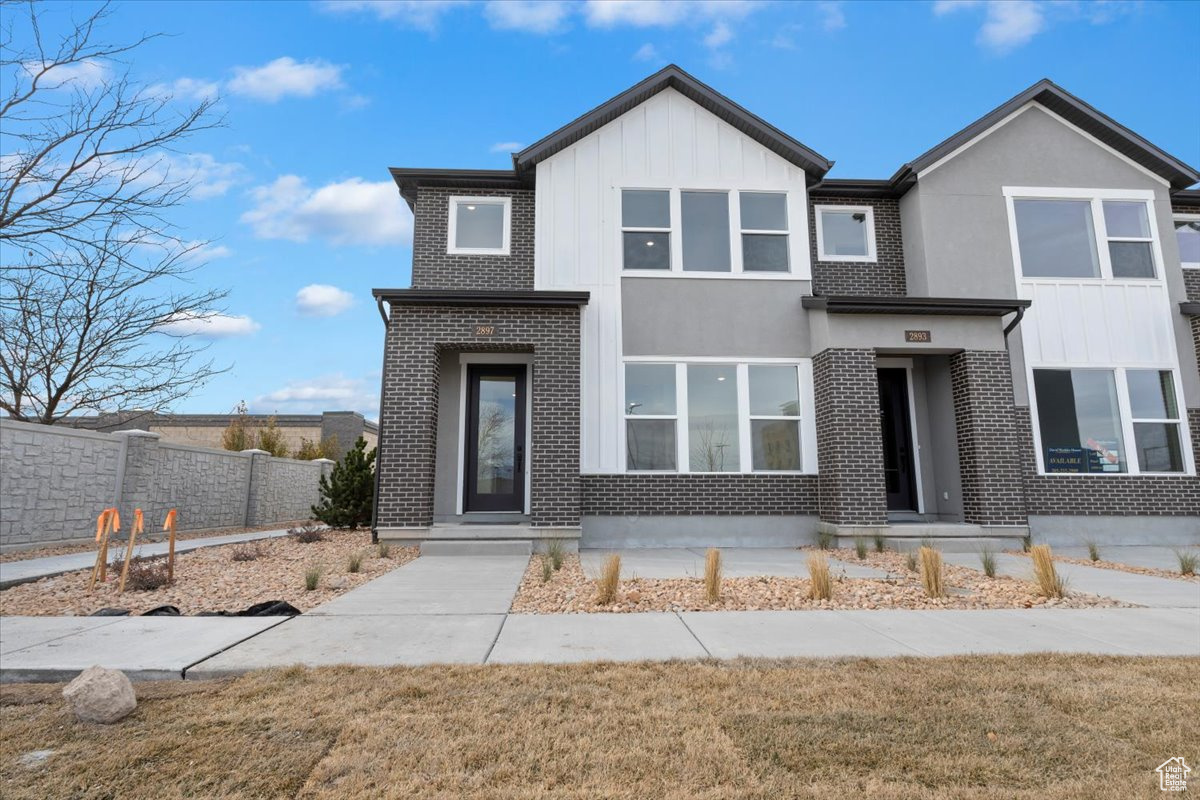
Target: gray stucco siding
x=714 y=317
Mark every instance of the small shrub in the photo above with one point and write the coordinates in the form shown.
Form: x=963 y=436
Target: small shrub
x=146 y=573
x=1026 y=543
x=609 y=581
x=1050 y=583
x=348 y=494
x=270 y=439
x=1187 y=561
x=880 y=543
x=988 y=559
x=385 y=550
x=555 y=552
x=246 y=551
x=860 y=547
x=712 y=575
x=821 y=587
x=307 y=534
x=236 y=435
x=824 y=540
x=910 y=561
x=1093 y=550
x=932 y=572
x=312 y=578
x=547 y=570
x=354 y=562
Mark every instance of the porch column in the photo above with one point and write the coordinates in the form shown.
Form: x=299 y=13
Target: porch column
x=989 y=443
x=849 y=438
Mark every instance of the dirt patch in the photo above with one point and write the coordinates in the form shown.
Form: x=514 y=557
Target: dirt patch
x=570 y=590
x=210 y=579
x=148 y=537
x=964 y=728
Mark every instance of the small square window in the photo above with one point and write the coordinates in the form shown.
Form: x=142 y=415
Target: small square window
x=1187 y=234
x=479 y=225
x=845 y=233
x=646 y=224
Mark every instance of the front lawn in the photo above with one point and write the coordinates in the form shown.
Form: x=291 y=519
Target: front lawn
x=979 y=727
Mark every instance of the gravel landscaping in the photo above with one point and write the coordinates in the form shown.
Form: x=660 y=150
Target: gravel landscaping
x=570 y=590
x=210 y=579
x=1158 y=573
x=147 y=537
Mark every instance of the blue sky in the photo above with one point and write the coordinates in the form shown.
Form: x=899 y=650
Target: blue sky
x=321 y=98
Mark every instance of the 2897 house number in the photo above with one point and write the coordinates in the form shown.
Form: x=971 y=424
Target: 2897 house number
x=485 y=330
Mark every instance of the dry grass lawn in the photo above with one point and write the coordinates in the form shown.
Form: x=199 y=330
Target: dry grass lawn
x=957 y=728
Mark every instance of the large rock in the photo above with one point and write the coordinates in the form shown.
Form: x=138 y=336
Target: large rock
x=100 y=695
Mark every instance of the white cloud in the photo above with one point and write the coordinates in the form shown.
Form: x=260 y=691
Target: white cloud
x=286 y=77
x=206 y=251
x=352 y=211
x=325 y=393
x=210 y=325
x=187 y=89
x=323 y=300
x=943 y=7
x=832 y=16
x=505 y=147
x=422 y=14
x=638 y=13
x=209 y=177
x=721 y=34
x=532 y=16
x=1010 y=24
x=86 y=75
x=647 y=52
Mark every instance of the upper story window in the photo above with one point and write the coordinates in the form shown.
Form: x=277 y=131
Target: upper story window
x=845 y=233
x=1187 y=232
x=479 y=226
x=705 y=232
x=1084 y=237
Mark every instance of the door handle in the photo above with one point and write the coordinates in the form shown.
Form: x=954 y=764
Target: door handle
x=520 y=459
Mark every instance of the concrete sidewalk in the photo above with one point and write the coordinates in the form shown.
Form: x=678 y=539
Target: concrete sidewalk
x=31 y=569
x=1128 y=587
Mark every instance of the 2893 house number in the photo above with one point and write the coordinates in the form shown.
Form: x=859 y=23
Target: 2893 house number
x=917 y=336
x=485 y=330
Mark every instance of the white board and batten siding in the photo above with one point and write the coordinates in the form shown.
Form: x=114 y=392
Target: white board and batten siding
x=667 y=142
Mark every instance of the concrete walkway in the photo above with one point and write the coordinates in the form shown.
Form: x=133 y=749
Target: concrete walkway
x=30 y=569
x=1128 y=587
x=1134 y=556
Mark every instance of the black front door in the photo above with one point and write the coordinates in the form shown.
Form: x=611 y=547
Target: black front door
x=897 y=440
x=495 y=458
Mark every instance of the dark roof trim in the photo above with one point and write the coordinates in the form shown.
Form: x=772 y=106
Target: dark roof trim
x=409 y=180
x=1190 y=309
x=758 y=129
x=1189 y=198
x=938 y=306
x=1075 y=111
x=469 y=297
x=854 y=187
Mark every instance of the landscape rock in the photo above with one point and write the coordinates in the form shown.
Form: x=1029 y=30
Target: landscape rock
x=100 y=695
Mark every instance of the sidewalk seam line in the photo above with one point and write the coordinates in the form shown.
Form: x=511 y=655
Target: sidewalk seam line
x=688 y=628
x=495 y=639
x=183 y=672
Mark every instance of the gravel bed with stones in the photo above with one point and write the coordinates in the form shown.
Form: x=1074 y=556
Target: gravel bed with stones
x=1158 y=573
x=147 y=537
x=569 y=590
x=210 y=580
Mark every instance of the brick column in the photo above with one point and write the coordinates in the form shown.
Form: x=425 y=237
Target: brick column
x=849 y=438
x=989 y=441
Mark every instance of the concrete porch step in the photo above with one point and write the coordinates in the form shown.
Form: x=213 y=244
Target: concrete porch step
x=476 y=547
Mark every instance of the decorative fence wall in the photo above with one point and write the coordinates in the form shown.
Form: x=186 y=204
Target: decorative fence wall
x=54 y=481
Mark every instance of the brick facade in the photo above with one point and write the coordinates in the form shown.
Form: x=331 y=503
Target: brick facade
x=849 y=438
x=985 y=427
x=885 y=276
x=434 y=268
x=416 y=336
x=1110 y=495
x=685 y=495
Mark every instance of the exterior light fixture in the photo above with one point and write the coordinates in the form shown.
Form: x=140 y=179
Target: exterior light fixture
x=470 y=208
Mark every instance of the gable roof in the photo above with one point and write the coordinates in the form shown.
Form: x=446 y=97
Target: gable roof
x=758 y=129
x=1084 y=116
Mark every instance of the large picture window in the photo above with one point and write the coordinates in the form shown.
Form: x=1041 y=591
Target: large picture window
x=845 y=233
x=1087 y=417
x=714 y=417
x=479 y=226
x=1084 y=237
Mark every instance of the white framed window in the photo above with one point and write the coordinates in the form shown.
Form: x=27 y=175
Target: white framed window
x=1093 y=420
x=479 y=226
x=1084 y=234
x=1187 y=234
x=707 y=232
x=717 y=416
x=845 y=233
